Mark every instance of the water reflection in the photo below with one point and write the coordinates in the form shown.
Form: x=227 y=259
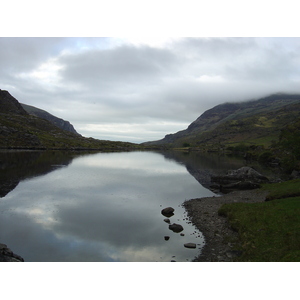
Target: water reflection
x=101 y=207
x=16 y=166
x=202 y=166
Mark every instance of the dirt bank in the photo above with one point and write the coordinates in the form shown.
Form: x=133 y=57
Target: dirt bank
x=219 y=238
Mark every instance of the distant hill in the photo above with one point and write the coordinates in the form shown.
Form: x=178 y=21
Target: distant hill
x=21 y=130
x=257 y=122
x=65 y=125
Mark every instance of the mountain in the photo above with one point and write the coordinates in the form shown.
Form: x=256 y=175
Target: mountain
x=21 y=130
x=9 y=104
x=65 y=125
x=256 y=122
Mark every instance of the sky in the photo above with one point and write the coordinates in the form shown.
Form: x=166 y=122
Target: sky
x=140 y=89
x=138 y=86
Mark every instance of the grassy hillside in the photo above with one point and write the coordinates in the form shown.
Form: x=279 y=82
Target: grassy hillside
x=17 y=131
x=254 y=123
x=260 y=129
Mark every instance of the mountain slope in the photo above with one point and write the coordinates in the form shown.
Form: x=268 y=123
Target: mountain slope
x=9 y=104
x=19 y=129
x=62 y=124
x=257 y=122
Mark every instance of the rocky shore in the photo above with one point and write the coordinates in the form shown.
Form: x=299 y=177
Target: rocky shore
x=219 y=237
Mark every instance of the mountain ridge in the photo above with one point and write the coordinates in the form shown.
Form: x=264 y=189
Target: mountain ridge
x=21 y=130
x=10 y=104
x=63 y=124
x=230 y=115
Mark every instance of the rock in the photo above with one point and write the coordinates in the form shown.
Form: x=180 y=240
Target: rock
x=3 y=246
x=244 y=173
x=295 y=174
x=167 y=220
x=182 y=234
x=176 y=227
x=240 y=185
x=167 y=238
x=6 y=255
x=190 y=245
x=168 y=212
x=244 y=178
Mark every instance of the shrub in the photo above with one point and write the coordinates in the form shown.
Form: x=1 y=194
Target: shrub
x=266 y=157
x=186 y=144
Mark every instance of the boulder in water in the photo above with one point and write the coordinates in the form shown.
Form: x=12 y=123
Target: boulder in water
x=190 y=245
x=168 y=212
x=176 y=227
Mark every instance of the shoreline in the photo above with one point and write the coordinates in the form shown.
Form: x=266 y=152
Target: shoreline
x=220 y=239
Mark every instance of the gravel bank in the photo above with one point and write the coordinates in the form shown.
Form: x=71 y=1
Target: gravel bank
x=219 y=238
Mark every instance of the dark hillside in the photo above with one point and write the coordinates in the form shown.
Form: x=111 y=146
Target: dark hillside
x=62 y=124
x=9 y=104
x=20 y=130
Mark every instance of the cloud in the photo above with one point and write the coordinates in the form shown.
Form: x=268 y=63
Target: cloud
x=140 y=89
x=121 y=67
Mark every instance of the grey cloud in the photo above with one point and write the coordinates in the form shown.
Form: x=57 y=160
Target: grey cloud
x=242 y=58
x=23 y=54
x=105 y=82
x=122 y=65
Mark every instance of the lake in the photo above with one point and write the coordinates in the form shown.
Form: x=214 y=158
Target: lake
x=101 y=207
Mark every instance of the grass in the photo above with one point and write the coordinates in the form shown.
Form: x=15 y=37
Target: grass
x=268 y=231
x=284 y=189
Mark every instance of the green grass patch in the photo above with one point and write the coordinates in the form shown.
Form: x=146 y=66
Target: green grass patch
x=284 y=189
x=268 y=231
x=265 y=140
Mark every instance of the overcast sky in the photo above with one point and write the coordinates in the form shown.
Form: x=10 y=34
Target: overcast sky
x=140 y=89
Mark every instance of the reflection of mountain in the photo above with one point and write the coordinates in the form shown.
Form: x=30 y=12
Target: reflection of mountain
x=202 y=165
x=19 y=165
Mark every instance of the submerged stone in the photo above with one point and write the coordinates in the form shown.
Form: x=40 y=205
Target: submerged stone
x=190 y=245
x=168 y=212
x=176 y=227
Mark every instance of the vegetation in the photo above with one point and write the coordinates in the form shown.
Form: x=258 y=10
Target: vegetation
x=268 y=231
x=256 y=122
x=21 y=130
x=185 y=145
x=29 y=132
x=290 y=137
x=62 y=124
x=261 y=129
x=290 y=188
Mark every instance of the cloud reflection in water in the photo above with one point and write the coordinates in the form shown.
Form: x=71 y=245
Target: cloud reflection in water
x=102 y=207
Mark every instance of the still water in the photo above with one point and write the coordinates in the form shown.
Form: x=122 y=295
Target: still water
x=102 y=207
